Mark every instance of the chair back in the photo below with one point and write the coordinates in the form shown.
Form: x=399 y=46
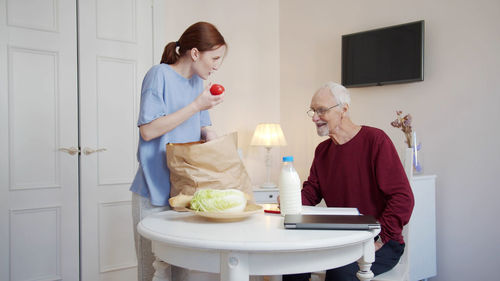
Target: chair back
x=400 y=272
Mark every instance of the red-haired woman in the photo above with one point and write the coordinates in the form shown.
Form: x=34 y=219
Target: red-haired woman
x=173 y=109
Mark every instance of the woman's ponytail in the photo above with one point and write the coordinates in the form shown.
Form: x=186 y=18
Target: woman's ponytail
x=170 y=55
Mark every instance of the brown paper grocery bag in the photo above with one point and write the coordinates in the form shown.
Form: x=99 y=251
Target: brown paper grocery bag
x=215 y=164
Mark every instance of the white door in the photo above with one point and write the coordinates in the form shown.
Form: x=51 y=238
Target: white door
x=38 y=116
x=115 y=51
x=42 y=186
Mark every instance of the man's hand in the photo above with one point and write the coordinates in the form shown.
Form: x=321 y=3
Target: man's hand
x=378 y=245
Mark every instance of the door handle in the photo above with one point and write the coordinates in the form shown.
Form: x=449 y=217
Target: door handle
x=71 y=151
x=88 y=150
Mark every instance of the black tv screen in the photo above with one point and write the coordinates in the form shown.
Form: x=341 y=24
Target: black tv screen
x=393 y=54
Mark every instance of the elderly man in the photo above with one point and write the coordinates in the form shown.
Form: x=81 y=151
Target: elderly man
x=359 y=167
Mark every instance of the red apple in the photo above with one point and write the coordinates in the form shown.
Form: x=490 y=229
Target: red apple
x=216 y=89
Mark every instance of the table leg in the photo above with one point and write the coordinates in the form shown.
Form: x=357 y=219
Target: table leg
x=163 y=270
x=234 y=266
x=365 y=262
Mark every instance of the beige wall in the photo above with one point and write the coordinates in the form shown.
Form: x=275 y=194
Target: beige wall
x=250 y=72
x=455 y=110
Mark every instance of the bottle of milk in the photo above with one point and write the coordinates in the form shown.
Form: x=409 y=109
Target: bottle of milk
x=289 y=185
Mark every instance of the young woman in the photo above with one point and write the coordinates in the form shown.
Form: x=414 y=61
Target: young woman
x=173 y=108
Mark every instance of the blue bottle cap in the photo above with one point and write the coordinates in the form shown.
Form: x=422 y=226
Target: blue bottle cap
x=288 y=159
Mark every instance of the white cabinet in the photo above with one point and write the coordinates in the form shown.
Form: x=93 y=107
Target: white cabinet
x=266 y=195
x=422 y=228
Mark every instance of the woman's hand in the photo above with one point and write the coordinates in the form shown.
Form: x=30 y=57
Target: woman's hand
x=167 y=123
x=206 y=100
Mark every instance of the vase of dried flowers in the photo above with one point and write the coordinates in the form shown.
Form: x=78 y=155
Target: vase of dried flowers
x=407 y=162
x=411 y=162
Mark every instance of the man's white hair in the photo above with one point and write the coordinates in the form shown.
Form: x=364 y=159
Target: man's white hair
x=339 y=92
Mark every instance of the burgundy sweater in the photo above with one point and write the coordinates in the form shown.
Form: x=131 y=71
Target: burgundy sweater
x=364 y=173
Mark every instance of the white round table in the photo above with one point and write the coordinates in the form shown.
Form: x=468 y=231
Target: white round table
x=257 y=245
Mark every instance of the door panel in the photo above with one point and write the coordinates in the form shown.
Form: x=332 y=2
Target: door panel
x=115 y=40
x=116 y=89
x=33 y=167
x=38 y=104
x=114 y=250
x=44 y=262
x=39 y=15
x=117 y=20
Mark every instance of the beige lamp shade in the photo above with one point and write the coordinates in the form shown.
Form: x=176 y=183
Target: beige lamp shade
x=268 y=134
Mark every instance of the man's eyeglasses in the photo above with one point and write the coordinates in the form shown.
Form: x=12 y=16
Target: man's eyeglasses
x=320 y=111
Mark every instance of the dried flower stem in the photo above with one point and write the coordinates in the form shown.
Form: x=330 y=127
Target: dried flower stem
x=405 y=124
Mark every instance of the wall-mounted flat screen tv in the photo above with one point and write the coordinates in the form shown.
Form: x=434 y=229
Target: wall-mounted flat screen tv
x=388 y=55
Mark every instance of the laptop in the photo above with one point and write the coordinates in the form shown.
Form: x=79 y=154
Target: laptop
x=333 y=222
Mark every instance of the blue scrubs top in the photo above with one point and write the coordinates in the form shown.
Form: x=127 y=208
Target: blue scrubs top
x=164 y=91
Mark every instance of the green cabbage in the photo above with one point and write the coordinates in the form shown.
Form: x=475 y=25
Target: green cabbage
x=215 y=200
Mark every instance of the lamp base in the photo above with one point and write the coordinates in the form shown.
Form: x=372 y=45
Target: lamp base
x=268 y=185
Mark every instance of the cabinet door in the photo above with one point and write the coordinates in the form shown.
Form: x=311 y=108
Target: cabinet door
x=422 y=231
x=115 y=43
x=38 y=116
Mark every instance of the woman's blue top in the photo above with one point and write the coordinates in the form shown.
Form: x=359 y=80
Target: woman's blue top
x=163 y=92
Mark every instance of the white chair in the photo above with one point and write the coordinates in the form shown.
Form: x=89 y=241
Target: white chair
x=400 y=272
x=318 y=276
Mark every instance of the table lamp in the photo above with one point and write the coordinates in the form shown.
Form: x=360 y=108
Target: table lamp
x=268 y=135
